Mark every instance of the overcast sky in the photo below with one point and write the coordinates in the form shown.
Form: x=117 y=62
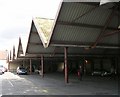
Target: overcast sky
x=16 y=17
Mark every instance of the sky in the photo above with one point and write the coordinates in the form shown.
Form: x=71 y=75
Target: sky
x=16 y=17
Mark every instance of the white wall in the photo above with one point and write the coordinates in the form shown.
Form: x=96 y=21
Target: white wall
x=4 y=63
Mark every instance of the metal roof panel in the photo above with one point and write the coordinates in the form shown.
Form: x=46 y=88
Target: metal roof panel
x=76 y=23
x=78 y=34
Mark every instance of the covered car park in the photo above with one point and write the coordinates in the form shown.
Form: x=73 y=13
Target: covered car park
x=82 y=32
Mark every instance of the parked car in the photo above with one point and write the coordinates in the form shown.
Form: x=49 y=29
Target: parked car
x=105 y=73
x=2 y=69
x=1 y=72
x=21 y=70
x=101 y=72
x=96 y=72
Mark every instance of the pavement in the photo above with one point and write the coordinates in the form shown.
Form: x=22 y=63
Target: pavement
x=53 y=84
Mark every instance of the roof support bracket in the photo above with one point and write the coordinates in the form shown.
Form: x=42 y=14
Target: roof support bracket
x=104 y=28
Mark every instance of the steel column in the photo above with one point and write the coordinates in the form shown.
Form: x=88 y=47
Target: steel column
x=42 y=66
x=66 y=65
x=111 y=33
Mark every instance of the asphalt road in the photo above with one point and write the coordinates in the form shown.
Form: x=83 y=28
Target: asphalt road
x=13 y=84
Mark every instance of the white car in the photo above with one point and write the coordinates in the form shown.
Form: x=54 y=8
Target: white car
x=2 y=69
x=21 y=70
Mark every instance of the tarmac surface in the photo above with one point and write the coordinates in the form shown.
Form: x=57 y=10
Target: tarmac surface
x=54 y=84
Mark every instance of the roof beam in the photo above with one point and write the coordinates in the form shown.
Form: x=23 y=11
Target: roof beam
x=104 y=28
x=33 y=43
x=71 y=55
x=112 y=33
x=87 y=46
x=91 y=3
x=83 y=25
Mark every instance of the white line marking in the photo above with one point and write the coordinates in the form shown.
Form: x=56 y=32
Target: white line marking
x=10 y=83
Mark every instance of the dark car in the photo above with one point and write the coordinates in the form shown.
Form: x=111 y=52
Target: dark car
x=101 y=72
x=21 y=70
x=105 y=73
x=96 y=72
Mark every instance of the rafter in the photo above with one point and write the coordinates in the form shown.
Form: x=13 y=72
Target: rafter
x=111 y=33
x=91 y=3
x=104 y=28
x=35 y=43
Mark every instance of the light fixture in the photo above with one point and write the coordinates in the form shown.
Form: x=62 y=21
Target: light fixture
x=86 y=61
x=104 y=1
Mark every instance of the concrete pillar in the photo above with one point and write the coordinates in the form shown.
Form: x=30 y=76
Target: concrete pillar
x=66 y=64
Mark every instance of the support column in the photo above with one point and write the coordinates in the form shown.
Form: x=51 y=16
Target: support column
x=30 y=66
x=42 y=66
x=66 y=64
x=84 y=66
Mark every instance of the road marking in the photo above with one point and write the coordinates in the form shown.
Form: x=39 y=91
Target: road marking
x=10 y=83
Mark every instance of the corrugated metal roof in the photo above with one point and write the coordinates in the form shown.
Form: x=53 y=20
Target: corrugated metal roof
x=79 y=25
x=111 y=40
x=71 y=11
x=20 y=49
x=35 y=38
x=75 y=34
x=76 y=23
x=96 y=17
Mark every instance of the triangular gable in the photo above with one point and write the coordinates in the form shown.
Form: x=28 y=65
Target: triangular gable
x=43 y=27
x=20 y=49
x=37 y=38
x=14 y=56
